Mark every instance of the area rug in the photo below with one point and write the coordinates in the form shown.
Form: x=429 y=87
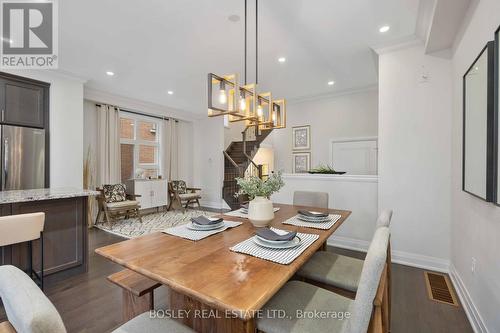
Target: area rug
x=131 y=228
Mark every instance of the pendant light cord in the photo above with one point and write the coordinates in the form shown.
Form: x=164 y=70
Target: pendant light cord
x=256 y=41
x=245 y=42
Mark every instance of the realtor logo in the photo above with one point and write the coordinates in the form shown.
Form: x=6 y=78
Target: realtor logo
x=29 y=34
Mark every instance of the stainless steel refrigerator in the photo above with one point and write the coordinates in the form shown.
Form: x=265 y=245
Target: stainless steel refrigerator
x=23 y=158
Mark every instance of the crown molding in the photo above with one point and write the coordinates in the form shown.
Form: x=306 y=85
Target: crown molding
x=133 y=104
x=357 y=90
x=400 y=44
x=69 y=75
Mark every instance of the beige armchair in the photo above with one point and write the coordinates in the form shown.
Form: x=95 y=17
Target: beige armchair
x=182 y=196
x=113 y=202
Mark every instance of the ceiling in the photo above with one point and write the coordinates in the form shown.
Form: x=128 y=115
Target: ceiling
x=154 y=46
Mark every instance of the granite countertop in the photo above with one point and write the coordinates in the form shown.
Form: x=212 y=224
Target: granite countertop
x=43 y=194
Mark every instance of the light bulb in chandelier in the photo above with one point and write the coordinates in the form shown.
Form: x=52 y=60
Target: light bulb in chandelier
x=222 y=93
x=259 y=110
x=274 y=117
x=222 y=96
x=243 y=105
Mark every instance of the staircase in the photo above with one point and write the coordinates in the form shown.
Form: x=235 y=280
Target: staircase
x=237 y=159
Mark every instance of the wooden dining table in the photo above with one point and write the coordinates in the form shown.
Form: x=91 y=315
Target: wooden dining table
x=211 y=288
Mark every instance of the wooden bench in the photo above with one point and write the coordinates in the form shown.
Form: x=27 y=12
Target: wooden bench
x=138 y=292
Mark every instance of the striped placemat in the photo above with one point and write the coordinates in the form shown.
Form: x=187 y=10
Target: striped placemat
x=316 y=225
x=239 y=213
x=280 y=256
x=195 y=235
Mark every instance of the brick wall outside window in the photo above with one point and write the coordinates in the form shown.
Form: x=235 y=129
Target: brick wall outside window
x=147 y=154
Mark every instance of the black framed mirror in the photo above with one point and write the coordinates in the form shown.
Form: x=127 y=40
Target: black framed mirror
x=478 y=161
x=497 y=117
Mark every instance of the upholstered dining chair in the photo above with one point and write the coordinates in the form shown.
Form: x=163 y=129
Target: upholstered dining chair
x=337 y=272
x=369 y=311
x=310 y=199
x=30 y=311
x=182 y=196
x=113 y=201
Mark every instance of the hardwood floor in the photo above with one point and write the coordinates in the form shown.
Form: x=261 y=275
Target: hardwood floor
x=89 y=303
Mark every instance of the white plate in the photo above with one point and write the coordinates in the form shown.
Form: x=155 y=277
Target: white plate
x=315 y=217
x=194 y=226
x=314 y=220
x=271 y=241
x=287 y=245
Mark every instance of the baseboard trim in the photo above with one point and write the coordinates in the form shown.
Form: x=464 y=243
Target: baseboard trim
x=398 y=257
x=349 y=243
x=470 y=308
x=424 y=262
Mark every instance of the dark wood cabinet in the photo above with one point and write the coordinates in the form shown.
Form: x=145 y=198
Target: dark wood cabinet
x=23 y=102
x=65 y=235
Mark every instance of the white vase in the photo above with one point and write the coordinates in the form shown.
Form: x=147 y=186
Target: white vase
x=260 y=211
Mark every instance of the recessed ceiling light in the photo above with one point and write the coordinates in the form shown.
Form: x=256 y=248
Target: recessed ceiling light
x=384 y=28
x=331 y=83
x=233 y=18
x=281 y=59
x=170 y=92
x=109 y=73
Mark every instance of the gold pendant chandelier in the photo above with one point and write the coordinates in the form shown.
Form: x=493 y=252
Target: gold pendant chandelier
x=243 y=103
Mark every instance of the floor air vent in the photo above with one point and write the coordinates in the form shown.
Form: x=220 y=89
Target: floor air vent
x=440 y=289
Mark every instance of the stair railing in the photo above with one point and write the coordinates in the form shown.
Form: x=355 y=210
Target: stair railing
x=251 y=163
x=233 y=163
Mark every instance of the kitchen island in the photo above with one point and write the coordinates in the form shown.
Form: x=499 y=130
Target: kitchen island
x=65 y=230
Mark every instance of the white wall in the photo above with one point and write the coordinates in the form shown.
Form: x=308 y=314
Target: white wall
x=475 y=223
x=233 y=133
x=208 y=160
x=341 y=116
x=66 y=126
x=414 y=154
x=355 y=193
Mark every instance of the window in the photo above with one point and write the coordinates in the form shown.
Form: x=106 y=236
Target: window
x=140 y=146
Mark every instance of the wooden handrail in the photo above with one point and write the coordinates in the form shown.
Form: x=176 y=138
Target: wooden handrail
x=232 y=161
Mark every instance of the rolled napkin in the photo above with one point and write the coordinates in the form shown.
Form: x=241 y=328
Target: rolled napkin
x=272 y=236
x=312 y=214
x=202 y=220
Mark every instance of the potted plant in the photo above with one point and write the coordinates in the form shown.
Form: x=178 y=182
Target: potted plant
x=326 y=170
x=260 y=208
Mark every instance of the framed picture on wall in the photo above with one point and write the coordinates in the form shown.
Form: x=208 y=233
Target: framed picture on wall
x=301 y=136
x=301 y=162
x=496 y=139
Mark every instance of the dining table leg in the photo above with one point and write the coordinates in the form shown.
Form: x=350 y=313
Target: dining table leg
x=206 y=319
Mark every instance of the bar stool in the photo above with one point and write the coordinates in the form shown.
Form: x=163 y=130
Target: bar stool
x=24 y=228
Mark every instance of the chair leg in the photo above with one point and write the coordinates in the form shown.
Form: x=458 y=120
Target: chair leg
x=138 y=215
x=169 y=204
x=98 y=216
x=106 y=215
x=30 y=259
x=198 y=202
x=41 y=260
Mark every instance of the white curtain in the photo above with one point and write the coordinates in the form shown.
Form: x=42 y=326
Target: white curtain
x=108 y=145
x=170 y=146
